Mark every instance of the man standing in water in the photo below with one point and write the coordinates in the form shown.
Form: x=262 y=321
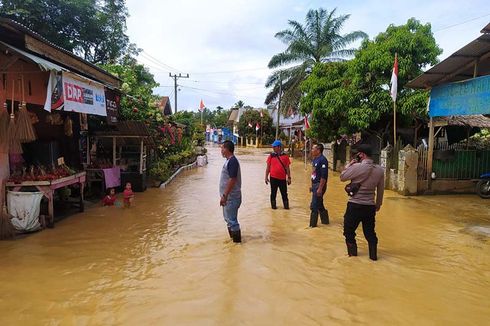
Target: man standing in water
x=319 y=176
x=230 y=190
x=361 y=206
x=280 y=175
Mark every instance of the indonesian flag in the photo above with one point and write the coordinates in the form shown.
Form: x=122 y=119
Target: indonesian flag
x=394 y=79
x=257 y=127
x=250 y=125
x=307 y=124
x=201 y=106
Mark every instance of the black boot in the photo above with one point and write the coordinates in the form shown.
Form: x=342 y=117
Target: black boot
x=273 y=204
x=324 y=217
x=229 y=232
x=373 y=251
x=351 y=249
x=286 y=204
x=237 y=236
x=313 y=219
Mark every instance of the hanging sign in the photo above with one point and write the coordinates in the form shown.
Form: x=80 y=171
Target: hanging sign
x=83 y=96
x=113 y=103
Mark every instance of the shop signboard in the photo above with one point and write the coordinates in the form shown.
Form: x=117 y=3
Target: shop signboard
x=83 y=96
x=461 y=98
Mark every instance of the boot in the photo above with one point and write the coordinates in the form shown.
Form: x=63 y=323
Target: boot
x=229 y=232
x=373 y=251
x=324 y=217
x=273 y=204
x=313 y=219
x=286 y=204
x=236 y=236
x=351 y=249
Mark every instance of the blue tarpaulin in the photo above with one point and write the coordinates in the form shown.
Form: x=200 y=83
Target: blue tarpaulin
x=461 y=98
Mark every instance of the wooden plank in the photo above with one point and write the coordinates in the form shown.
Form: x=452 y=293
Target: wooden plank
x=66 y=59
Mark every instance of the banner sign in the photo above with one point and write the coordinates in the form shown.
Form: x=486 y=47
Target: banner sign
x=461 y=98
x=54 y=93
x=113 y=104
x=83 y=96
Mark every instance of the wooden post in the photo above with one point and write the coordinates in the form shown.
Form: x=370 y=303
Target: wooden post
x=141 y=156
x=394 y=123
x=114 y=149
x=430 y=153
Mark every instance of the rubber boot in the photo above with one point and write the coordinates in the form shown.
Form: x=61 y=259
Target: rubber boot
x=229 y=232
x=324 y=217
x=273 y=204
x=373 y=251
x=351 y=249
x=236 y=236
x=313 y=219
x=286 y=204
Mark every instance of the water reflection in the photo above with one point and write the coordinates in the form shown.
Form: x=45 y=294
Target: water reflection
x=169 y=260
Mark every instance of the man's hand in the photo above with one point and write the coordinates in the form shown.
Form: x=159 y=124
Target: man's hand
x=289 y=181
x=266 y=180
x=222 y=201
x=319 y=192
x=378 y=208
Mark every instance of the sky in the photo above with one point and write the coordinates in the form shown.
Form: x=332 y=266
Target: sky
x=225 y=45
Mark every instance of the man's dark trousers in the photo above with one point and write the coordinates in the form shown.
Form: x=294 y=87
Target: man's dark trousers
x=283 y=187
x=355 y=214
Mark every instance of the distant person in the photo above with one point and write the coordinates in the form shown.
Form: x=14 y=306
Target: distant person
x=128 y=195
x=230 y=190
x=367 y=178
x=280 y=175
x=110 y=198
x=319 y=177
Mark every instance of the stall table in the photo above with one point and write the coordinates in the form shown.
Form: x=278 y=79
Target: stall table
x=48 y=188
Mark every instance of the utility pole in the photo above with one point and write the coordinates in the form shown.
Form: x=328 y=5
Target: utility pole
x=279 y=105
x=175 y=77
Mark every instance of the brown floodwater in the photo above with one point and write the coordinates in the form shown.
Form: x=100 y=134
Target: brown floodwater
x=169 y=261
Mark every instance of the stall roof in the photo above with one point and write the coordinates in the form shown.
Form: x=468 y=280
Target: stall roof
x=477 y=120
x=43 y=64
x=127 y=129
x=459 y=65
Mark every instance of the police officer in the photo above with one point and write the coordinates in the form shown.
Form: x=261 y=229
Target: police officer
x=319 y=176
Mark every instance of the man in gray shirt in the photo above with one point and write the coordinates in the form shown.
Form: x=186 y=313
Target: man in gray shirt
x=362 y=206
x=230 y=184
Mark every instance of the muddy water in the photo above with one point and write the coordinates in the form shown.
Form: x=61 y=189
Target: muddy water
x=168 y=261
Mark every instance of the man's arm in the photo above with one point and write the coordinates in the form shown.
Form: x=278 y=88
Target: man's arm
x=380 y=189
x=349 y=172
x=229 y=186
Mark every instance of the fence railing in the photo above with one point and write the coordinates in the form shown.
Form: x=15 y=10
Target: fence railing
x=460 y=164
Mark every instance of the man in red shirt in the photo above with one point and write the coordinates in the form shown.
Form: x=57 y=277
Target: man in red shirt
x=280 y=176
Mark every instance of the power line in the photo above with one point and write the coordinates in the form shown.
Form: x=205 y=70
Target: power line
x=461 y=23
x=175 y=77
x=146 y=54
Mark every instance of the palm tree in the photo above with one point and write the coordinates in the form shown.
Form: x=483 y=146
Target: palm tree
x=318 y=41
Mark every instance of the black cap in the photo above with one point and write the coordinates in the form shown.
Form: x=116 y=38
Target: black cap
x=363 y=148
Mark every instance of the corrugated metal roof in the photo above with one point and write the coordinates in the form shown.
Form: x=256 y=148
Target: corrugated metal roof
x=458 y=66
x=486 y=29
x=45 y=65
x=477 y=120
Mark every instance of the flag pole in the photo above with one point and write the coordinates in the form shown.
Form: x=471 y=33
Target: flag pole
x=394 y=123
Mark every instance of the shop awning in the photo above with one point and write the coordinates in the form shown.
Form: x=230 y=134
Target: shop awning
x=45 y=65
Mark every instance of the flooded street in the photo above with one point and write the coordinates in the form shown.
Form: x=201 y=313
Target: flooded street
x=169 y=261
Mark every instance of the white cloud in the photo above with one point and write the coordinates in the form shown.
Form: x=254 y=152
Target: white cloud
x=210 y=37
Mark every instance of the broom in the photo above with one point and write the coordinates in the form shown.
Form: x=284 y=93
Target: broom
x=7 y=230
x=25 y=130
x=4 y=125
x=14 y=143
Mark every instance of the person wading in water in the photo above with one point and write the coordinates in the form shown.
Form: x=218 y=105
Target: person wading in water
x=280 y=175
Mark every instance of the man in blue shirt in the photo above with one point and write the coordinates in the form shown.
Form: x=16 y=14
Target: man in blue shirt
x=319 y=176
x=230 y=190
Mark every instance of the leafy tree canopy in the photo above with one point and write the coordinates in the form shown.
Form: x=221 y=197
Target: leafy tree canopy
x=93 y=29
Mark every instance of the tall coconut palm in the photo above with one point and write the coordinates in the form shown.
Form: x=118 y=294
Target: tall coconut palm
x=319 y=40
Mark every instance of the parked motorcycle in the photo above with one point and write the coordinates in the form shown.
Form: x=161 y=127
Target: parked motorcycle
x=483 y=186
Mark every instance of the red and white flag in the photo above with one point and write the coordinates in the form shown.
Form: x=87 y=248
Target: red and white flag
x=307 y=124
x=257 y=127
x=201 y=106
x=394 y=79
x=250 y=125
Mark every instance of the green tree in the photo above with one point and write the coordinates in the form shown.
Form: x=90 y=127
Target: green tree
x=318 y=40
x=93 y=29
x=354 y=96
x=252 y=117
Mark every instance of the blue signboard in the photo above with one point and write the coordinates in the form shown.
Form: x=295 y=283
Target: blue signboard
x=461 y=98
